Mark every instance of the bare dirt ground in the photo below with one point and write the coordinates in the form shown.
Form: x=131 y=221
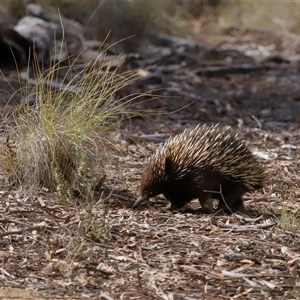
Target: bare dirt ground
x=55 y=249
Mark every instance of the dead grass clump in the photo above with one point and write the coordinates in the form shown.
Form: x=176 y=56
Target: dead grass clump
x=290 y=221
x=61 y=141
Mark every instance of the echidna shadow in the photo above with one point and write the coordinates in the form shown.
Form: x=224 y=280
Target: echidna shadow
x=202 y=163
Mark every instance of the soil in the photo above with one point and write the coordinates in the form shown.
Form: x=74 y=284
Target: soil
x=54 y=249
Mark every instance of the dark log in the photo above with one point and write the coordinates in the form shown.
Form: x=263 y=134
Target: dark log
x=30 y=39
x=226 y=70
x=165 y=40
x=14 y=49
x=39 y=33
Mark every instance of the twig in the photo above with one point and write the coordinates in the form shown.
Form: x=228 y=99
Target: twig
x=241 y=218
x=245 y=227
x=39 y=228
x=105 y=297
x=257 y=121
x=139 y=277
x=6 y=220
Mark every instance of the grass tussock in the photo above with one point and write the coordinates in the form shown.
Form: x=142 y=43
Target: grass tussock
x=60 y=142
x=290 y=221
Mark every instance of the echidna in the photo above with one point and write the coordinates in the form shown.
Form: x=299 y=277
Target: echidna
x=204 y=162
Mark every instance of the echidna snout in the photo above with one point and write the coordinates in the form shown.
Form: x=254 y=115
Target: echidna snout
x=149 y=188
x=204 y=162
x=140 y=200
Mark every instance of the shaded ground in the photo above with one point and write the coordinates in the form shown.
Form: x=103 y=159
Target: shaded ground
x=152 y=253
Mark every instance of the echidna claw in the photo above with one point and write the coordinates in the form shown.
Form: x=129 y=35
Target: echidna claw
x=139 y=201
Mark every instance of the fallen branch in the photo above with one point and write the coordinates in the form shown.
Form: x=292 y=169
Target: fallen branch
x=221 y=71
x=38 y=228
x=236 y=227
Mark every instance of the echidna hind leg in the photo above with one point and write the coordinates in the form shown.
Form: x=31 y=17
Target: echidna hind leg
x=232 y=195
x=204 y=199
x=237 y=206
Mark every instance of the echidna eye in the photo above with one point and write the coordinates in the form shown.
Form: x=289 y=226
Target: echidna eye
x=149 y=193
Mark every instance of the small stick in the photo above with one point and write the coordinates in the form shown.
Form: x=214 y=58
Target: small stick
x=139 y=277
x=39 y=228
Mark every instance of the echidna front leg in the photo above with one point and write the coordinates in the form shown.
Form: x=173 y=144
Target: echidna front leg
x=178 y=201
x=203 y=198
x=179 y=194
